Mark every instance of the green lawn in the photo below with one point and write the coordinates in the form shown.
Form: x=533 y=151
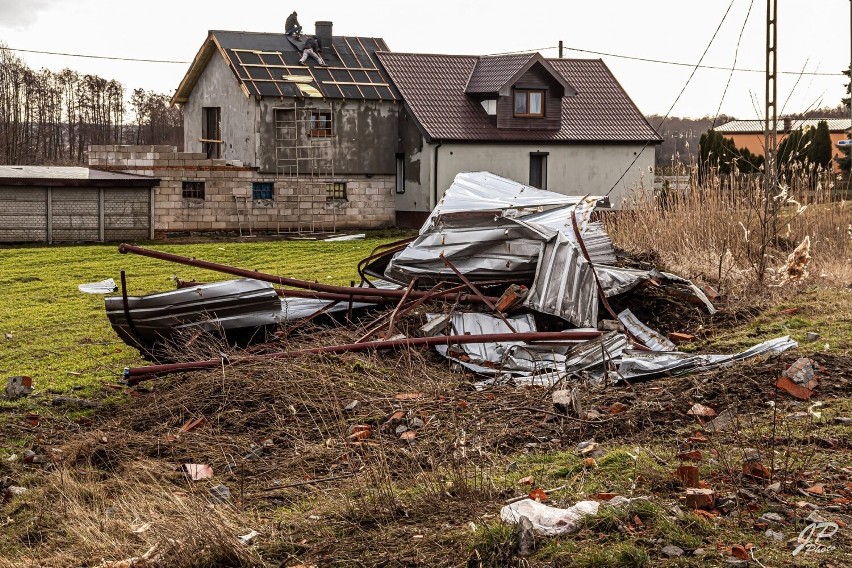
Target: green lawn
x=61 y=337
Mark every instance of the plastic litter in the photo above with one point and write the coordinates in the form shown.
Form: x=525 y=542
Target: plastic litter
x=547 y=520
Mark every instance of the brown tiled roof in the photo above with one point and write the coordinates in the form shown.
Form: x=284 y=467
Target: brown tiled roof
x=433 y=87
x=491 y=73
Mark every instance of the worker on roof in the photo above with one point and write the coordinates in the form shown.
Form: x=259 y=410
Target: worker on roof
x=292 y=26
x=312 y=49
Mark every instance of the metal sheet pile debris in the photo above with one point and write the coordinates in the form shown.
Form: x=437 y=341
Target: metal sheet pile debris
x=490 y=246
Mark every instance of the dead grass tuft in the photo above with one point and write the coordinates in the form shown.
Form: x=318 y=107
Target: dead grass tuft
x=96 y=522
x=713 y=232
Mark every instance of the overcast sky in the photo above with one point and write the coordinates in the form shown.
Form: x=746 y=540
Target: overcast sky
x=813 y=36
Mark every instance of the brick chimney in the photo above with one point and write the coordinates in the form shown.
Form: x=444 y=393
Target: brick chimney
x=323 y=33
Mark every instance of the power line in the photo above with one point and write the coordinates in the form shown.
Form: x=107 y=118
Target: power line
x=577 y=49
x=96 y=56
x=661 y=61
x=733 y=65
x=666 y=117
x=682 y=64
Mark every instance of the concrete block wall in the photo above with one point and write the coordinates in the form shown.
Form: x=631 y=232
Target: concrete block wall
x=297 y=204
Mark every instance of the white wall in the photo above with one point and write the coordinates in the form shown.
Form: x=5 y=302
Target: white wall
x=575 y=169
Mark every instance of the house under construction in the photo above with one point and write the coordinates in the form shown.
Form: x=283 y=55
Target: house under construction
x=373 y=138
x=300 y=129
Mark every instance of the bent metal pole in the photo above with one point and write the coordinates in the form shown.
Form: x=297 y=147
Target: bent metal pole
x=533 y=336
x=125 y=248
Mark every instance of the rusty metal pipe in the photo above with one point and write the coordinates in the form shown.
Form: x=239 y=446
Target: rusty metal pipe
x=142 y=373
x=364 y=297
x=125 y=248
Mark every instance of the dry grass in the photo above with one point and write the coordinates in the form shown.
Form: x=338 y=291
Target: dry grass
x=115 y=490
x=85 y=518
x=277 y=435
x=713 y=231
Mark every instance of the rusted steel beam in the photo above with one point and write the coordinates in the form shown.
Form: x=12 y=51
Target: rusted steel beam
x=377 y=324
x=134 y=374
x=476 y=291
x=307 y=319
x=396 y=309
x=131 y=325
x=125 y=248
x=601 y=293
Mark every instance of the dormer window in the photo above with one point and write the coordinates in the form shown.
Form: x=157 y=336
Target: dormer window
x=529 y=103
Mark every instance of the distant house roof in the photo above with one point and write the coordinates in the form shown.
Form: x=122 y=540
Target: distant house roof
x=757 y=127
x=56 y=176
x=434 y=89
x=267 y=65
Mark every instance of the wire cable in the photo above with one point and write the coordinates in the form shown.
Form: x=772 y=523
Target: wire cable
x=733 y=65
x=682 y=64
x=680 y=94
x=577 y=49
x=97 y=56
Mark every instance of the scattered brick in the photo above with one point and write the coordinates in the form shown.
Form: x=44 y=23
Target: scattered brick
x=697 y=498
x=793 y=389
x=676 y=337
x=688 y=475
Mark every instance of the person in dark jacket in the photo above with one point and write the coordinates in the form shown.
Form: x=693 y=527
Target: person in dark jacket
x=312 y=49
x=291 y=26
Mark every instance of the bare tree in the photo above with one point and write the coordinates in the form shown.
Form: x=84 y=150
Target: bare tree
x=52 y=118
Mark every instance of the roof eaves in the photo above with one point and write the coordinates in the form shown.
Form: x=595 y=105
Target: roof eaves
x=196 y=69
x=194 y=72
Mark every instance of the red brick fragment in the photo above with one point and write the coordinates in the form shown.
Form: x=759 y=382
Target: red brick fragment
x=688 y=475
x=755 y=469
x=793 y=389
x=700 y=498
x=701 y=410
x=539 y=495
x=694 y=455
x=739 y=551
x=676 y=337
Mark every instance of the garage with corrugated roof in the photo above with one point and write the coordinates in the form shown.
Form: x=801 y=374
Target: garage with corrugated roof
x=53 y=204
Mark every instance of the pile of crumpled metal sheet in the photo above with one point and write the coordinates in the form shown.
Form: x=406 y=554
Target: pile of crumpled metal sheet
x=528 y=271
x=488 y=227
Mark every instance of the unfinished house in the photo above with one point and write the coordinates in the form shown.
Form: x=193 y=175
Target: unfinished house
x=273 y=145
x=565 y=125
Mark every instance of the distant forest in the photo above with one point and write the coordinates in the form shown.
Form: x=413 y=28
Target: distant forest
x=50 y=118
x=681 y=135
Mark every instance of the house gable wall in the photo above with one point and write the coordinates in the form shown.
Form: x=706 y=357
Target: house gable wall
x=218 y=87
x=572 y=169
